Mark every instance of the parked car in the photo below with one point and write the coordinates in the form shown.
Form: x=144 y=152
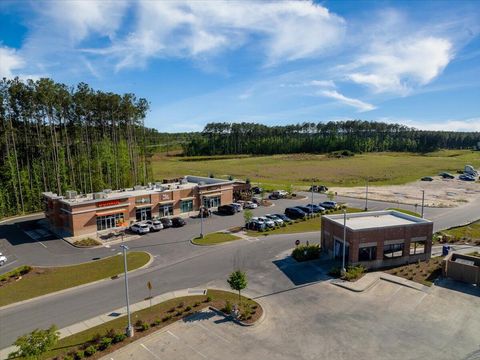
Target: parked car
x=140 y=228
x=238 y=207
x=305 y=209
x=166 y=222
x=315 y=208
x=285 y=218
x=178 y=222
x=227 y=209
x=295 y=213
x=250 y=205
x=275 y=219
x=269 y=222
x=3 y=259
x=446 y=175
x=427 y=178
x=318 y=188
x=154 y=225
x=255 y=224
x=278 y=194
x=329 y=204
x=466 y=177
x=257 y=190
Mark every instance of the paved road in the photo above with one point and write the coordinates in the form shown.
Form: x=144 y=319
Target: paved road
x=178 y=265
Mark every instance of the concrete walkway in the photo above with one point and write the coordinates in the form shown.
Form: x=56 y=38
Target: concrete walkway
x=112 y=315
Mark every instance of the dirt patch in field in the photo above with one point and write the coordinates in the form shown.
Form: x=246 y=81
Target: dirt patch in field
x=438 y=193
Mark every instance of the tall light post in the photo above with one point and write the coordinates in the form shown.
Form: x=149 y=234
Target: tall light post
x=129 y=330
x=366 y=196
x=201 y=222
x=423 y=201
x=344 y=239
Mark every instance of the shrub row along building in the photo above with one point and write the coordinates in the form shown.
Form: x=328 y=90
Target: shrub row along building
x=378 y=238
x=76 y=215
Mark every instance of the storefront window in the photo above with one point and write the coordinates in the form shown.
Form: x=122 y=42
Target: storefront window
x=367 y=253
x=392 y=251
x=210 y=202
x=109 y=221
x=143 y=214
x=165 y=210
x=186 y=206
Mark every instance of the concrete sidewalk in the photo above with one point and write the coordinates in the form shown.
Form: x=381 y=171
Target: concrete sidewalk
x=112 y=315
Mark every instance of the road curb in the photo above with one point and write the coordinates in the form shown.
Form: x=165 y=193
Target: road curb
x=119 y=276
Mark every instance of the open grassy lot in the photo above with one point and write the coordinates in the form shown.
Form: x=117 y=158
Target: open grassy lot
x=41 y=281
x=470 y=232
x=309 y=225
x=155 y=318
x=214 y=238
x=279 y=171
x=424 y=272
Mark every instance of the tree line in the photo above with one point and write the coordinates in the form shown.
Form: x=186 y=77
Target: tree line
x=353 y=135
x=56 y=138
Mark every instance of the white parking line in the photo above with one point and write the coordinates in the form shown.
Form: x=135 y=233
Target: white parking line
x=210 y=331
x=42 y=244
x=149 y=351
x=184 y=343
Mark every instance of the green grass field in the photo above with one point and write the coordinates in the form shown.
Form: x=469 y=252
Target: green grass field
x=41 y=281
x=300 y=170
x=468 y=232
x=214 y=238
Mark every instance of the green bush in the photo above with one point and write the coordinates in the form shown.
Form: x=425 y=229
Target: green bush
x=118 y=338
x=139 y=323
x=304 y=252
x=22 y=270
x=79 y=354
x=91 y=350
x=228 y=308
x=144 y=327
x=105 y=343
x=166 y=318
x=354 y=272
x=188 y=308
x=208 y=299
x=68 y=357
x=156 y=322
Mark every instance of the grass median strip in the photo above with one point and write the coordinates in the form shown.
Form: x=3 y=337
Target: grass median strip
x=408 y=212
x=40 y=281
x=147 y=321
x=215 y=238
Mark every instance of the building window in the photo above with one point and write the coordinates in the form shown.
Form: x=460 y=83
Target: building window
x=143 y=214
x=210 y=202
x=186 y=206
x=417 y=247
x=393 y=251
x=142 y=200
x=367 y=253
x=109 y=221
x=165 y=210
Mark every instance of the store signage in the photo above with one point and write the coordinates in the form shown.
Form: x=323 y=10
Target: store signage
x=108 y=203
x=165 y=196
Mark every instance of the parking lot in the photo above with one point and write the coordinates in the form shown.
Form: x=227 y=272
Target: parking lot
x=317 y=320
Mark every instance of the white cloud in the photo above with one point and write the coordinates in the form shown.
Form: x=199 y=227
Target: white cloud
x=10 y=61
x=472 y=124
x=358 y=104
x=400 y=65
x=282 y=31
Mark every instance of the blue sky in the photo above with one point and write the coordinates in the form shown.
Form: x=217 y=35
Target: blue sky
x=412 y=62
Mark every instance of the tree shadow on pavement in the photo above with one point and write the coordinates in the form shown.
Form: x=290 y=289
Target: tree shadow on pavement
x=202 y=315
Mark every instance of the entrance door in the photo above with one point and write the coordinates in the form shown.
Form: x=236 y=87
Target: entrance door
x=338 y=250
x=143 y=214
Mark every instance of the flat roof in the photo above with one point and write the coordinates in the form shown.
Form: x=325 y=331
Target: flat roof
x=187 y=182
x=376 y=219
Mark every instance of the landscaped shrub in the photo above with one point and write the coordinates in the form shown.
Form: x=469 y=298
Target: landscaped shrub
x=208 y=299
x=166 y=318
x=68 y=357
x=306 y=252
x=171 y=310
x=79 y=354
x=188 y=308
x=179 y=313
x=156 y=322
x=139 y=323
x=105 y=343
x=118 y=338
x=227 y=308
x=181 y=305
x=353 y=273
x=196 y=304
x=91 y=350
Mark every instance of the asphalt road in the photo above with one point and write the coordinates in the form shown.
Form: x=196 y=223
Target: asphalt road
x=178 y=264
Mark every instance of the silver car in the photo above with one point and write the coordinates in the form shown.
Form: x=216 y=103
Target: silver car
x=268 y=222
x=140 y=228
x=154 y=225
x=275 y=219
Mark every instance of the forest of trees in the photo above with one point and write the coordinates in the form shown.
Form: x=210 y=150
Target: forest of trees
x=353 y=135
x=56 y=138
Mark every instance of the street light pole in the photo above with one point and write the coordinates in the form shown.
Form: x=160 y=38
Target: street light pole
x=423 y=201
x=344 y=238
x=129 y=330
x=366 y=196
x=201 y=222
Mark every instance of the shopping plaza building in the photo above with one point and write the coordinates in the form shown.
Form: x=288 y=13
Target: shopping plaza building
x=79 y=215
x=377 y=239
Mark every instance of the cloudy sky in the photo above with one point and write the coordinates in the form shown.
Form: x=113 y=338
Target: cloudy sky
x=413 y=62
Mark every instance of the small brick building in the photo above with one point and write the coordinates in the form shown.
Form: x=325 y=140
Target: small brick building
x=378 y=239
x=84 y=214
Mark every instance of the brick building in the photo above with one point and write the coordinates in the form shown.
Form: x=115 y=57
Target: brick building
x=378 y=238
x=76 y=215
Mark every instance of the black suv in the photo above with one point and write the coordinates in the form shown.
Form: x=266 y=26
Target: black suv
x=166 y=222
x=295 y=213
x=178 y=222
x=227 y=209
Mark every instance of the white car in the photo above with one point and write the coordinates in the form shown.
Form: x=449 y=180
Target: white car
x=3 y=259
x=154 y=225
x=140 y=228
x=275 y=219
x=270 y=223
x=250 y=205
